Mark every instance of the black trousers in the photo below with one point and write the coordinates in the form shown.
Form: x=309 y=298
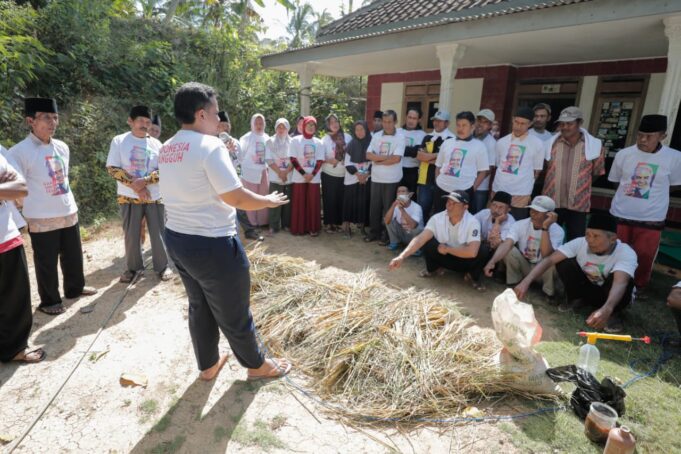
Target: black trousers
x=573 y=221
x=332 y=199
x=382 y=196
x=435 y=260
x=440 y=202
x=61 y=247
x=215 y=275
x=16 y=316
x=410 y=176
x=578 y=286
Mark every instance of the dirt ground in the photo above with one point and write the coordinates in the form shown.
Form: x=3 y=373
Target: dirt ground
x=147 y=334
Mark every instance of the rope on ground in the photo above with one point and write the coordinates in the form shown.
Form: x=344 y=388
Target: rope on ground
x=77 y=365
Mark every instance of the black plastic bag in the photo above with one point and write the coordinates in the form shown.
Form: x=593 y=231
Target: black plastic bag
x=589 y=389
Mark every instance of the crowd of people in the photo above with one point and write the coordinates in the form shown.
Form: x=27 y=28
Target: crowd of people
x=516 y=207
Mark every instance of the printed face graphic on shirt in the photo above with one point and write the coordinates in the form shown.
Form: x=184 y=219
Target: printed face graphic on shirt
x=594 y=272
x=384 y=149
x=642 y=180
x=410 y=141
x=514 y=157
x=56 y=169
x=139 y=162
x=259 y=155
x=362 y=167
x=455 y=162
x=531 y=251
x=308 y=155
x=282 y=163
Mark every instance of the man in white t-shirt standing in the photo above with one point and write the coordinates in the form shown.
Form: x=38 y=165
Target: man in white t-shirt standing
x=644 y=173
x=404 y=219
x=542 y=116
x=385 y=153
x=50 y=208
x=528 y=242
x=597 y=270
x=450 y=240
x=483 y=125
x=520 y=160
x=413 y=138
x=201 y=235
x=133 y=163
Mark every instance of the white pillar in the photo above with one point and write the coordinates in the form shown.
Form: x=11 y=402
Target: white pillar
x=449 y=55
x=305 y=75
x=671 y=92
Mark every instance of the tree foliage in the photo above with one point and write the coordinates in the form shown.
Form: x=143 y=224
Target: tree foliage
x=99 y=58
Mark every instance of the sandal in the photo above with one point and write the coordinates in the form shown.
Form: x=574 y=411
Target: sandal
x=314 y=234
x=31 y=357
x=477 y=285
x=52 y=309
x=426 y=274
x=276 y=372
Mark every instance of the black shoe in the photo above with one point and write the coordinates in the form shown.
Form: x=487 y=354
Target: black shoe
x=253 y=235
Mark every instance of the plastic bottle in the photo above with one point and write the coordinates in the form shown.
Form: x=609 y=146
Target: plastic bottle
x=588 y=358
x=620 y=441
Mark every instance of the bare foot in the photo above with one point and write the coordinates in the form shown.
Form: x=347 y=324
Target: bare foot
x=213 y=371
x=270 y=369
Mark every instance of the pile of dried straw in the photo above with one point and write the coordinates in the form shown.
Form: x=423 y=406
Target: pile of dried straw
x=372 y=349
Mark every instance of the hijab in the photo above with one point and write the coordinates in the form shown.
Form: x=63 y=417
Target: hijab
x=306 y=120
x=357 y=148
x=281 y=143
x=337 y=138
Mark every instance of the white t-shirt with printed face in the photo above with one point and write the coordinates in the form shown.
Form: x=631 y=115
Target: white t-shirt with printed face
x=644 y=180
x=447 y=233
x=528 y=239
x=486 y=223
x=46 y=170
x=383 y=145
x=330 y=152
x=414 y=211
x=459 y=162
x=412 y=138
x=362 y=168
x=19 y=220
x=279 y=155
x=138 y=157
x=597 y=268
x=8 y=229
x=195 y=169
x=490 y=143
x=516 y=161
x=307 y=152
x=253 y=156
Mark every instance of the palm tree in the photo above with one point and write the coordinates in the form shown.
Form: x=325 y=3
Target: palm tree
x=300 y=26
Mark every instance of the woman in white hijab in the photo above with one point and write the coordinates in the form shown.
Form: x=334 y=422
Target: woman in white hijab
x=253 y=167
x=279 y=172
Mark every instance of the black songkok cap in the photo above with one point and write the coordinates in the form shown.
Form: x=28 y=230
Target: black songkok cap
x=525 y=112
x=156 y=120
x=140 y=111
x=35 y=105
x=378 y=114
x=600 y=221
x=653 y=123
x=224 y=117
x=503 y=197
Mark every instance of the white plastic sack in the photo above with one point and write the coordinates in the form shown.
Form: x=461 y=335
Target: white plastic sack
x=518 y=330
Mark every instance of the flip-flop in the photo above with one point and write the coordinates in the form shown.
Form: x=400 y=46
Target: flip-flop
x=278 y=372
x=53 y=309
x=41 y=356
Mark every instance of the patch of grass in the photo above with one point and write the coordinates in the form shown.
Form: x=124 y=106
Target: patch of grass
x=166 y=419
x=126 y=403
x=278 y=422
x=653 y=404
x=169 y=447
x=148 y=408
x=219 y=433
x=260 y=435
x=274 y=388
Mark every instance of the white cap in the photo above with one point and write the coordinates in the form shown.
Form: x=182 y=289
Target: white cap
x=543 y=204
x=486 y=113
